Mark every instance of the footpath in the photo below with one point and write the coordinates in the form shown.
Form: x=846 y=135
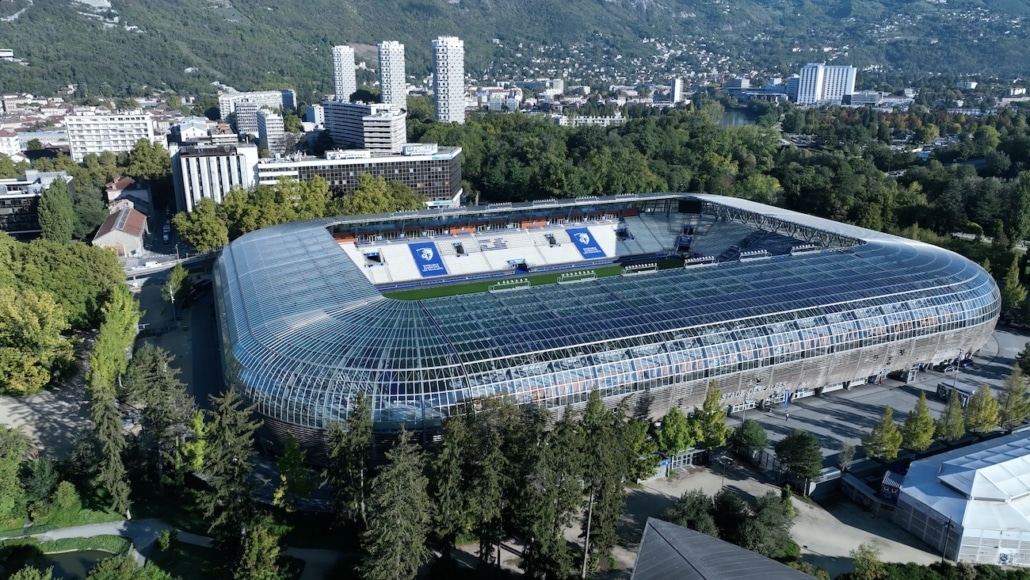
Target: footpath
x=143 y=533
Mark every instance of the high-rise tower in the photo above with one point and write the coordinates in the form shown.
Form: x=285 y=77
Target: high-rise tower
x=393 y=86
x=449 y=79
x=344 y=80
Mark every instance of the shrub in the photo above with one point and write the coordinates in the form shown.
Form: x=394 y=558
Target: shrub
x=166 y=538
x=40 y=512
x=66 y=497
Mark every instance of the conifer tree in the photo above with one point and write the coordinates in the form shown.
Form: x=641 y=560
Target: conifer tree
x=951 y=426
x=349 y=472
x=1012 y=292
x=399 y=516
x=295 y=481
x=449 y=468
x=229 y=506
x=259 y=556
x=884 y=440
x=917 y=430
x=606 y=462
x=982 y=412
x=107 y=429
x=1013 y=401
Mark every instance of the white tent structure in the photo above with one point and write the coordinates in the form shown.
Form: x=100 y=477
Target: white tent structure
x=972 y=504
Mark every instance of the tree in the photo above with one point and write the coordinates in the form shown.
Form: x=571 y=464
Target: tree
x=399 y=516
x=606 y=461
x=228 y=505
x=884 y=439
x=799 y=452
x=202 y=227
x=750 y=437
x=259 y=557
x=374 y=195
x=30 y=573
x=982 y=412
x=867 y=563
x=1013 y=402
x=730 y=514
x=34 y=145
x=448 y=488
x=917 y=431
x=349 y=471
x=1012 y=291
x=675 y=434
x=177 y=286
x=693 y=510
x=56 y=214
x=846 y=455
x=13 y=445
x=768 y=533
x=642 y=449
x=951 y=425
x=710 y=420
x=107 y=430
x=295 y=481
x=32 y=347
x=1023 y=360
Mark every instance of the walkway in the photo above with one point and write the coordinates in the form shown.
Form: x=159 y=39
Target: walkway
x=143 y=533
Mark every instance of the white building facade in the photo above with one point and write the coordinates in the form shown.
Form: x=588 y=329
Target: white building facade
x=344 y=80
x=377 y=127
x=246 y=117
x=449 y=79
x=393 y=84
x=676 y=91
x=284 y=99
x=820 y=83
x=271 y=131
x=211 y=172
x=117 y=133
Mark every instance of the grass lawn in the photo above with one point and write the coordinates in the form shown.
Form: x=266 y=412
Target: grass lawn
x=112 y=544
x=484 y=285
x=75 y=516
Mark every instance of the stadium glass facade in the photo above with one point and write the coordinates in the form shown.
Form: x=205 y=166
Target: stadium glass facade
x=303 y=330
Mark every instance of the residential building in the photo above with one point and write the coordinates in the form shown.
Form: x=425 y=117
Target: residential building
x=189 y=130
x=820 y=83
x=117 y=132
x=432 y=171
x=19 y=200
x=792 y=86
x=271 y=131
x=126 y=189
x=284 y=99
x=393 y=84
x=246 y=117
x=315 y=114
x=210 y=171
x=9 y=144
x=449 y=79
x=124 y=232
x=377 y=127
x=676 y=91
x=344 y=81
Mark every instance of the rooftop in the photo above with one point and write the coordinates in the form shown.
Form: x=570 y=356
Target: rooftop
x=125 y=220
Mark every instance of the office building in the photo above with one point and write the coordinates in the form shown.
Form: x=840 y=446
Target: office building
x=271 y=131
x=117 y=132
x=210 y=171
x=676 y=91
x=428 y=170
x=315 y=114
x=284 y=99
x=377 y=127
x=345 y=82
x=246 y=117
x=449 y=79
x=781 y=320
x=19 y=200
x=822 y=84
x=393 y=84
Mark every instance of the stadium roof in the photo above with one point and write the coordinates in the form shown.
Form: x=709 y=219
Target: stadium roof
x=300 y=317
x=983 y=486
x=671 y=552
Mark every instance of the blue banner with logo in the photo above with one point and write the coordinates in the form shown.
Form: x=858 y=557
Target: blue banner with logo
x=585 y=243
x=428 y=260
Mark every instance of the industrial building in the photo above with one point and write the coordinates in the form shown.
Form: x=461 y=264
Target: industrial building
x=765 y=302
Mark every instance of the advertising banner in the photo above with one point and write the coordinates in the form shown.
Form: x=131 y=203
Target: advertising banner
x=585 y=243
x=428 y=260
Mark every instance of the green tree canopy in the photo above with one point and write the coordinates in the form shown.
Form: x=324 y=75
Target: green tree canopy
x=13 y=445
x=693 y=510
x=982 y=413
x=374 y=195
x=32 y=347
x=56 y=214
x=202 y=228
x=918 y=429
x=676 y=433
x=259 y=557
x=349 y=471
x=884 y=440
x=710 y=420
x=951 y=425
x=295 y=481
x=799 y=452
x=1013 y=401
x=750 y=437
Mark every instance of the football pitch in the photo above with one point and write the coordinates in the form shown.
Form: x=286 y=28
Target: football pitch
x=534 y=279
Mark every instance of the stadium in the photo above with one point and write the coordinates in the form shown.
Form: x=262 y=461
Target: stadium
x=645 y=297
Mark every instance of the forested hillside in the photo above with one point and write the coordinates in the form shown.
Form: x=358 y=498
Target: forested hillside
x=186 y=45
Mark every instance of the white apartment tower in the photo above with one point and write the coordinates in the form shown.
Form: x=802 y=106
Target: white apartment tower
x=676 y=91
x=344 y=80
x=825 y=84
x=449 y=79
x=117 y=133
x=246 y=117
x=393 y=85
x=211 y=171
x=376 y=127
x=271 y=131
